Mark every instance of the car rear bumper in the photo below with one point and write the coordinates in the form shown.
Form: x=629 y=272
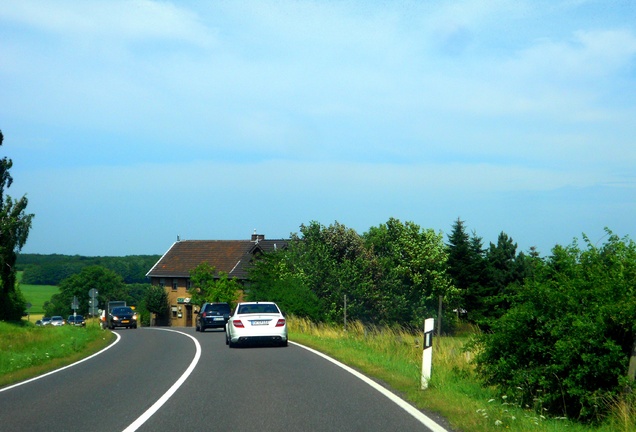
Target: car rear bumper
x=213 y=324
x=121 y=324
x=273 y=338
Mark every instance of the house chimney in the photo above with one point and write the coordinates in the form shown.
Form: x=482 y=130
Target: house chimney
x=257 y=237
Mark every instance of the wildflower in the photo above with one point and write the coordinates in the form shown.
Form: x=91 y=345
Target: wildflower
x=498 y=422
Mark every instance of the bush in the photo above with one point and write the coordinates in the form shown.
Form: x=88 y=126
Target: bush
x=564 y=345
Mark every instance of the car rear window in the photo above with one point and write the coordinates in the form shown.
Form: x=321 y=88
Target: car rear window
x=258 y=308
x=221 y=308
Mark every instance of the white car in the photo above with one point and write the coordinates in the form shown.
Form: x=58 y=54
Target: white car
x=256 y=322
x=57 y=321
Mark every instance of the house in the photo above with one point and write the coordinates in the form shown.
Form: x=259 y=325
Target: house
x=232 y=257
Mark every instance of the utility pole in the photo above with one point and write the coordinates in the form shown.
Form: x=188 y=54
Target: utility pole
x=345 y=312
x=439 y=316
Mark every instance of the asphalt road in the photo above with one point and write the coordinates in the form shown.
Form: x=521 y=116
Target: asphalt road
x=163 y=380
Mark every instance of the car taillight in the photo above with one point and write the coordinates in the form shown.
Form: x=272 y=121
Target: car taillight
x=238 y=323
x=280 y=323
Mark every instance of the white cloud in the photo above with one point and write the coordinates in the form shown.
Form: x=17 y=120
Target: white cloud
x=113 y=20
x=331 y=100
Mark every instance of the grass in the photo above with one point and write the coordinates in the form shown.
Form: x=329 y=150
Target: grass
x=394 y=356
x=27 y=351
x=37 y=295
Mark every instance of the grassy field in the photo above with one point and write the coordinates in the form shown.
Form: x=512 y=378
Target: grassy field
x=27 y=351
x=395 y=357
x=37 y=295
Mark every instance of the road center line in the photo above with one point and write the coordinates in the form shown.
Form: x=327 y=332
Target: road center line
x=172 y=390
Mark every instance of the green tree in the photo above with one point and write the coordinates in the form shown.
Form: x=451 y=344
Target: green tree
x=136 y=293
x=333 y=262
x=565 y=343
x=15 y=224
x=413 y=276
x=272 y=278
x=156 y=301
x=110 y=286
x=503 y=274
x=207 y=286
x=466 y=265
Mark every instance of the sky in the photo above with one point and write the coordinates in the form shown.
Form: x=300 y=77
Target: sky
x=132 y=123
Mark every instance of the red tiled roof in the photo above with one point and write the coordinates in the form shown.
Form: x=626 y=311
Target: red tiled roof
x=229 y=256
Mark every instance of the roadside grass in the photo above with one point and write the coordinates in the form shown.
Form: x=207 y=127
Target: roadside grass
x=37 y=295
x=27 y=351
x=394 y=356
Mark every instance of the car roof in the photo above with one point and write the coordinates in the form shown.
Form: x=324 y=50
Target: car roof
x=256 y=302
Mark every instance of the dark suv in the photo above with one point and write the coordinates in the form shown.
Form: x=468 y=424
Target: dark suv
x=213 y=315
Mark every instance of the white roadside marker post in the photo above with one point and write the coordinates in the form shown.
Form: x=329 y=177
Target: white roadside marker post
x=427 y=355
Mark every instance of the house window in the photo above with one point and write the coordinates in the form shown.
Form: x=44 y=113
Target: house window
x=174 y=311
x=188 y=284
x=162 y=283
x=174 y=285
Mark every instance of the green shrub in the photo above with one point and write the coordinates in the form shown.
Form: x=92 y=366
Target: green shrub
x=564 y=345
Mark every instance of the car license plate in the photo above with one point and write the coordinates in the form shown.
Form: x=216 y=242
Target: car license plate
x=125 y=321
x=261 y=322
x=218 y=318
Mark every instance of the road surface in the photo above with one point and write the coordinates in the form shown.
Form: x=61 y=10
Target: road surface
x=160 y=379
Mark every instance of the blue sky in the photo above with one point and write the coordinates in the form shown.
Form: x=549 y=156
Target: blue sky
x=133 y=122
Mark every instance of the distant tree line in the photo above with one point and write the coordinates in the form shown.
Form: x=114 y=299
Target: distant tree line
x=51 y=269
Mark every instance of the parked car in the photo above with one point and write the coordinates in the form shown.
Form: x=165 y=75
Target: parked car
x=212 y=315
x=256 y=322
x=76 y=320
x=57 y=321
x=122 y=316
x=44 y=321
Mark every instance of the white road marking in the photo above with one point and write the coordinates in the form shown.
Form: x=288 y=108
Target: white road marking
x=163 y=399
x=62 y=368
x=419 y=416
